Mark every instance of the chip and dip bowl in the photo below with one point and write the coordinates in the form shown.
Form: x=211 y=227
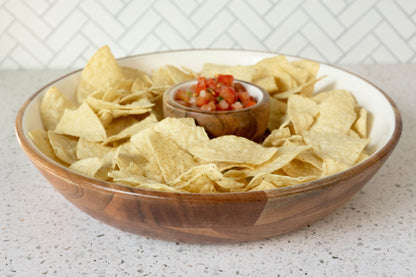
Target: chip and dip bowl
x=216 y=217
x=249 y=122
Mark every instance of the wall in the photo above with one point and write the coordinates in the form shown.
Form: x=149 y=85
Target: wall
x=64 y=34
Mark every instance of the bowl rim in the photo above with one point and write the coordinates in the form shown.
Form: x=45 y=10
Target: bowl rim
x=170 y=101
x=58 y=170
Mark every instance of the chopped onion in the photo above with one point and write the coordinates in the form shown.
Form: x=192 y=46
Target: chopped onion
x=223 y=104
x=237 y=105
x=192 y=100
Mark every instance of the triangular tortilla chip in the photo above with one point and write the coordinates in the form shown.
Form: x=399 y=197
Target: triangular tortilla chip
x=172 y=160
x=101 y=72
x=302 y=112
x=65 y=147
x=342 y=148
x=82 y=122
x=40 y=138
x=52 y=107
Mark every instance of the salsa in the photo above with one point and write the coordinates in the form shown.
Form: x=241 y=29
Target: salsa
x=220 y=93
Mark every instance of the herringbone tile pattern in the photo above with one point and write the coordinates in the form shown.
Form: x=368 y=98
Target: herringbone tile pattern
x=64 y=34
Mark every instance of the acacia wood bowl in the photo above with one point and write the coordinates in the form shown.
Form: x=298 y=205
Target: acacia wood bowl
x=250 y=122
x=216 y=218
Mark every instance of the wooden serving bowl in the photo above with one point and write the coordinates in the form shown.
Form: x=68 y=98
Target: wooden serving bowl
x=217 y=218
x=250 y=122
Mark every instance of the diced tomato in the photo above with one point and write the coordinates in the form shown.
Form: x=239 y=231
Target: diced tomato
x=226 y=80
x=238 y=87
x=228 y=94
x=211 y=94
x=209 y=107
x=212 y=83
x=249 y=104
x=200 y=101
x=182 y=95
x=243 y=96
x=201 y=85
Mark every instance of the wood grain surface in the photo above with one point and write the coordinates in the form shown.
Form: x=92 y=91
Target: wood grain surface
x=250 y=122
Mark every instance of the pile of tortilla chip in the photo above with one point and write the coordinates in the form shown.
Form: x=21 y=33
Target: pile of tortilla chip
x=116 y=132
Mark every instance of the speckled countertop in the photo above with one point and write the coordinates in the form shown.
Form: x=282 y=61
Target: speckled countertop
x=373 y=234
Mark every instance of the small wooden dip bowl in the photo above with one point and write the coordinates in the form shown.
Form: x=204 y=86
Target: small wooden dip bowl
x=250 y=122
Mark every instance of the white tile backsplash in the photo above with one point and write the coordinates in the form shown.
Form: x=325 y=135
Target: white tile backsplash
x=63 y=34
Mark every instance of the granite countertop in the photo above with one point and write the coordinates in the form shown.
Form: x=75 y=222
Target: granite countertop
x=373 y=234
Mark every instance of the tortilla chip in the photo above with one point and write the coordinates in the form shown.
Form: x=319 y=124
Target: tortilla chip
x=132 y=129
x=240 y=72
x=299 y=74
x=362 y=157
x=336 y=113
x=127 y=153
x=88 y=167
x=331 y=166
x=277 y=137
x=277 y=114
x=101 y=72
x=277 y=180
x=89 y=149
x=360 y=125
x=52 y=107
x=312 y=68
x=268 y=83
x=209 y=70
x=264 y=185
x=132 y=73
x=320 y=96
x=302 y=112
x=41 y=140
x=64 y=147
x=139 y=107
x=284 y=155
x=297 y=168
x=172 y=160
x=117 y=125
x=295 y=90
x=142 y=82
x=342 y=148
x=198 y=179
x=114 y=95
x=265 y=67
x=281 y=70
x=131 y=170
x=183 y=131
x=178 y=75
x=309 y=156
x=141 y=182
x=162 y=77
x=106 y=117
x=82 y=122
x=206 y=179
x=233 y=149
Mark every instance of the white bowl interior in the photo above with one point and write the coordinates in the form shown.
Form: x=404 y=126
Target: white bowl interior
x=382 y=119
